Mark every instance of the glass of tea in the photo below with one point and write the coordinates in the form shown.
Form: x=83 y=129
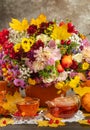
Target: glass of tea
x=64 y=107
x=28 y=107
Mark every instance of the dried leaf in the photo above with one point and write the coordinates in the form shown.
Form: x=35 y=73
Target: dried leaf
x=46 y=123
x=84 y=122
x=6 y=121
x=43 y=123
x=10 y=104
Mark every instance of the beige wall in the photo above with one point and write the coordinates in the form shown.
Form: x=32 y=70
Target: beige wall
x=76 y=10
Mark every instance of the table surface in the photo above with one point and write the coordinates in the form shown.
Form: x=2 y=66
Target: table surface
x=69 y=126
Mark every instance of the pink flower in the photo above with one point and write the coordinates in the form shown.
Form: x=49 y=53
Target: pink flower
x=52 y=44
x=51 y=61
x=85 y=42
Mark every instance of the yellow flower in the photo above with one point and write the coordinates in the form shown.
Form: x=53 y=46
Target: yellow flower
x=19 y=26
x=40 y=19
x=26 y=48
x=60 y=33
x=74 y=82
x=31 y=40
x=33 y=21
x=85 y=66
x=24 y=41
x=62 y=86
x=59 y=85
x=82 y=36
x=81 y=90
x=27 y=43
x=17 y=47
x=31 y=81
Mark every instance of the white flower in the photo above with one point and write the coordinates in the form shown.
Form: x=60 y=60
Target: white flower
x=43 y=37
x=24 y=72
x=75 y=38
x=44 y=54
x=16 y=37
x=62 y=76
x=38 y=65
x=57 y=42
x=50 y=79
x=78 y=57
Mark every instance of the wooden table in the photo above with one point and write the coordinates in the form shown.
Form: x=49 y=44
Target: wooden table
x=69 y=126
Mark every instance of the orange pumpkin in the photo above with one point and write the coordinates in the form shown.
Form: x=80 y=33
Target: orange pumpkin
x=85 y=102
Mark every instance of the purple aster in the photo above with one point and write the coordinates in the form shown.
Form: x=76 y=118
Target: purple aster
x=19 y=83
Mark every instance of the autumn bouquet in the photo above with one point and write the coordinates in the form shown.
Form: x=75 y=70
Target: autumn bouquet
x=46 y=52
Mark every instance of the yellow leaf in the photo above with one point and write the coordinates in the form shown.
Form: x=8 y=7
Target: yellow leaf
x=87 y=114
x=43 y=123
x=46 y=123
x=6 y=121
x=56 y=125
x=10 y=103
x=84 y=122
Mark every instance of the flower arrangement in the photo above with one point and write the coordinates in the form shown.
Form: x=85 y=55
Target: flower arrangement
x=46 y=52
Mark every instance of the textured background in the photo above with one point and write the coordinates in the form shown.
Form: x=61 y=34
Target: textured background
x=76 y=10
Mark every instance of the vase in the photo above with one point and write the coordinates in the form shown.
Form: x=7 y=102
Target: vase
x=43 y=93
x=8 y=89
x=3 y=85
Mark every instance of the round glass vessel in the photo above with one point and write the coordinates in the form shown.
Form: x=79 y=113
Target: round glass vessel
x=28 y=107
x=64 y=107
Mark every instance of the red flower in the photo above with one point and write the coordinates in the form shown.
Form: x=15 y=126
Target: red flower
x=74 y=65
x=38 y=44
x=5 y=32
x=62 y=42
x=8 y=49
x=4 y=36
x=43 y=26
x=61 y=23
x=71 y=28
x=32 y=29
x=68 y=42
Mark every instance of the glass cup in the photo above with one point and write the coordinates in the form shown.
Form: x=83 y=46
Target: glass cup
x=64 y=107
x=28 y=107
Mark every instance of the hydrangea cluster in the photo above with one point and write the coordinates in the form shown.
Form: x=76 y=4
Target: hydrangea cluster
x=42 y=51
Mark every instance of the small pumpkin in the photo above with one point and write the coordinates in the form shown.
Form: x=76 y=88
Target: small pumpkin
x=85 y=102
